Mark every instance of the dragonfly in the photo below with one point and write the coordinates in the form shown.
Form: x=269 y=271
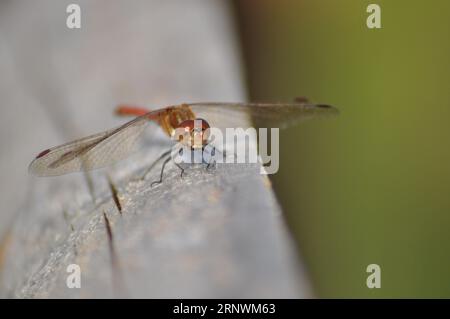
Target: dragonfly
x=105 y=148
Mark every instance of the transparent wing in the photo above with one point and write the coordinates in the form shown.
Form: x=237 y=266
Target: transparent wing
x=91 y=152
x=233 y=115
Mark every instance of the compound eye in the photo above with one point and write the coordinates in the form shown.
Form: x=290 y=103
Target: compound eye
x=197 y=125
x=203 y=128
x=204 y=124
x=188 y=125
x=194 y=132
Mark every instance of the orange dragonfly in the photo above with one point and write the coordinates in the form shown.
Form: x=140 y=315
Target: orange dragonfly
x=102 y=149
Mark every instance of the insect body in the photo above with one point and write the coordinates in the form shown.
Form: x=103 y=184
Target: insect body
x=186 y=123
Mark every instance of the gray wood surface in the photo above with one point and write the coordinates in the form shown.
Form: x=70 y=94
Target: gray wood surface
x=217 y=233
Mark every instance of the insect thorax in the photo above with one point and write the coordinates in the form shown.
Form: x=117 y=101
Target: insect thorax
x=174 y=117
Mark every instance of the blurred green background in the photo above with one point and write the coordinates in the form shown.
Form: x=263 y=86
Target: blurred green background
x=373 y=184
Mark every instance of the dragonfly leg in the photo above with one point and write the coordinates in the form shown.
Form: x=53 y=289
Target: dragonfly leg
x=181 y=168
x=162 y=172
x=212 y=162
x=154 y=163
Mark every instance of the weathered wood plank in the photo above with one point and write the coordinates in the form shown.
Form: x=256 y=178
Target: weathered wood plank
x=215 y=233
